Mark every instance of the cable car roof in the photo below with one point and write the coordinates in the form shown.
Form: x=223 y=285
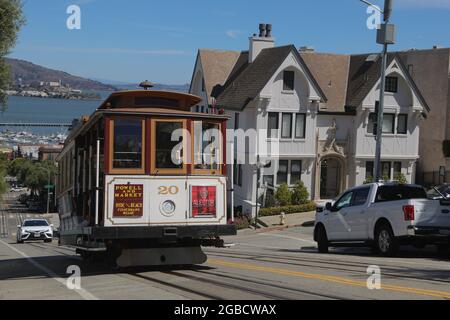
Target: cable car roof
x=150 y=99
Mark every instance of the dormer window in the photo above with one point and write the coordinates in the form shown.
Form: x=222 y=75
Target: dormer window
x=391 y=84
x=288 y=80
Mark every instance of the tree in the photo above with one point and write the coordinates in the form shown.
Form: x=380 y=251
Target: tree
x=283 y=195
x=11 y=20
x=300 y=194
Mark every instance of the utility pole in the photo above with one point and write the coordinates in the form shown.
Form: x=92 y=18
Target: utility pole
x=48 y=193
x=385 y=36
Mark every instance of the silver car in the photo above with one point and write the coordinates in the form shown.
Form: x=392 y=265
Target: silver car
x=33 y=230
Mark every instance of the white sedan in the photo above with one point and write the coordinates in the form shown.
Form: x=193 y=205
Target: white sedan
x=34 y=229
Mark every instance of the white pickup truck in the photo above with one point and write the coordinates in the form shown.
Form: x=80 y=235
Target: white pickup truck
x=383 y=216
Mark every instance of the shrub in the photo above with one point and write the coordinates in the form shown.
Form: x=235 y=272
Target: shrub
x=400 y=177
x=242 y=222
x=369 y=179
x=283 y=195
x=300 y=194
x=307 y=207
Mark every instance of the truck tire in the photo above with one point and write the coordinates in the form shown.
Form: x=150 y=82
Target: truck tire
x=385 y=243
x=322 y=240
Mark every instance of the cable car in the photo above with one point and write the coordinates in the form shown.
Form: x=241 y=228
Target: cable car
x=142 y=181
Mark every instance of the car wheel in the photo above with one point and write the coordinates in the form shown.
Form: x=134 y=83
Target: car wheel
x=322 y=240
x=386 y=244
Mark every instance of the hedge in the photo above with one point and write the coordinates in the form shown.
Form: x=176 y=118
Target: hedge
x=264 y=212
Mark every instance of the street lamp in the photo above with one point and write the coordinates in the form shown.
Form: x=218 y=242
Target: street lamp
x=385 y=36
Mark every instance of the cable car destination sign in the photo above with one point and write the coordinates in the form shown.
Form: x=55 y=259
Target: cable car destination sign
x=128 y=200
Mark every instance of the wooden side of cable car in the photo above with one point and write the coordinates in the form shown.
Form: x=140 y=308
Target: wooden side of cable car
x=139 y=184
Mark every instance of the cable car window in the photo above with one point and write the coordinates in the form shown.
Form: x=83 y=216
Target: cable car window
x=155 y=102
x=168 y=145
x=127 y=144
x=207 y=142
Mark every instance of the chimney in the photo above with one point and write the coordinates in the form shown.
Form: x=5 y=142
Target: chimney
x=263 y=41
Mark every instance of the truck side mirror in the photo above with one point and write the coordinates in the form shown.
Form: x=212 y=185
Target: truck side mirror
x=329 y=206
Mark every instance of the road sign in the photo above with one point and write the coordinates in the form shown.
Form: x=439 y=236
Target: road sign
x=49 y=186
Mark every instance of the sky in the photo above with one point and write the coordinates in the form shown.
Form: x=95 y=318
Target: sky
x=134 y=40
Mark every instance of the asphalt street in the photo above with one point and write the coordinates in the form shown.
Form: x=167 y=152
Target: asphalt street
x=265 y=265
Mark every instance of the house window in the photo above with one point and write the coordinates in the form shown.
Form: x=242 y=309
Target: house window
x=236 y=121
x=369 y=169
x=386 y=170
x=268 y=180
x=127 y=144
x=300 y=126
x=282 y=173
x=296 y=171
x=272 y=125
x=388 y=123
x=237 y=173
x=197 y=109
x=286 y=126
x=402 y=123
x=288 y=80
x=391 y=84
x=397 y=168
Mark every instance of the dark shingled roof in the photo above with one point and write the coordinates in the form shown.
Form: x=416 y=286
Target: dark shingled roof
x=364 y=74
x=343 y=81
x=248 y=79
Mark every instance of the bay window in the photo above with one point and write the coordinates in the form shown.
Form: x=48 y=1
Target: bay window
x=282 y=174
x=300 y=126
x=402 y=124
x=272 y=125
x=286 y=126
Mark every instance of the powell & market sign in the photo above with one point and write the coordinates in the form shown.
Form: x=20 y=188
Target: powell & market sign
x=128 y=200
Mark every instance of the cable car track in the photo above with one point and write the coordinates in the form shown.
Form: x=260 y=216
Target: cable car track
x=322 y=264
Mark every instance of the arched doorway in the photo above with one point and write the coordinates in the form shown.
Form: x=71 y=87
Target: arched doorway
x=330 y=178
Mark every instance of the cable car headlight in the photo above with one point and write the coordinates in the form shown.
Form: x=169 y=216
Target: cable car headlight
x=167 y=207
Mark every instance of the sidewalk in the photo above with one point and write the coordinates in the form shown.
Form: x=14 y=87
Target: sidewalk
x=304 y=219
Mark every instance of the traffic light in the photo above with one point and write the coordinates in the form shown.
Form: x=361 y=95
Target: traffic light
x=375 y=120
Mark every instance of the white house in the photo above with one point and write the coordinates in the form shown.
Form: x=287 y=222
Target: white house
x=318 y=108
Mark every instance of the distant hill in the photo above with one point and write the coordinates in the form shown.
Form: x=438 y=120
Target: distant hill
x=31 y=73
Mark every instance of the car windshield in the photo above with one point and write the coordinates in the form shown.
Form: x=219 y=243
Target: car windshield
x=35 y=223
